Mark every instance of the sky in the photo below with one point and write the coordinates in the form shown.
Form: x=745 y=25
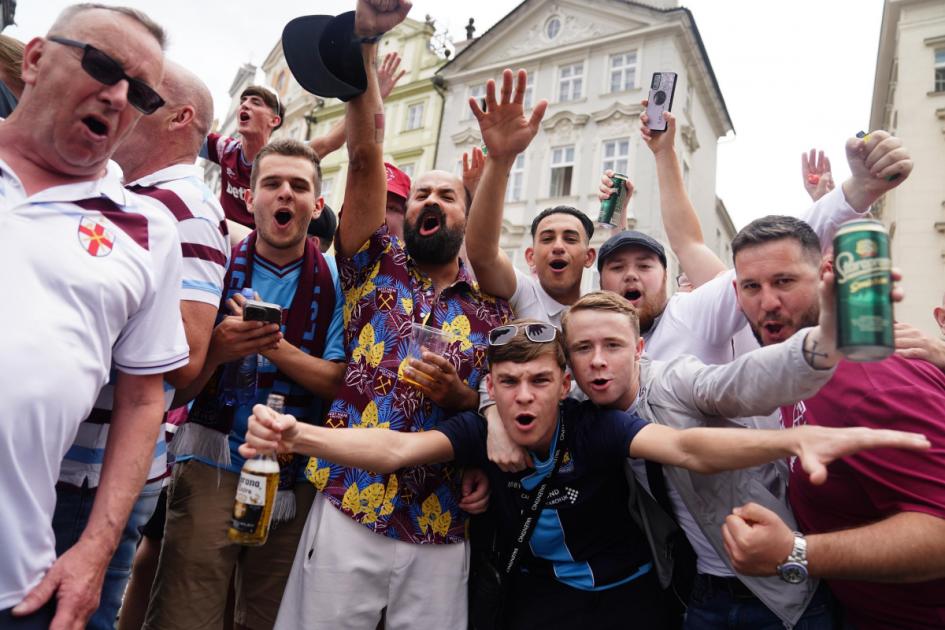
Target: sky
x=794 y=75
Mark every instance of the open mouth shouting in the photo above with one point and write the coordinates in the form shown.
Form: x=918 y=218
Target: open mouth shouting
x=96 y=125
x=282 y=217
x=430 y=221
x=558 y=264
x=244 y=117
x=776 y=329
x=524 y=421
x=633 y=296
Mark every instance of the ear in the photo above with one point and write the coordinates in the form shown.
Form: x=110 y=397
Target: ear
x=591 y=257
x=939 y=314
x=182 y=118
x=489 y=387
x=318 y=207
x=248 y=199
x=639 y=349
x=274 y=122
x=31 y=56
x=565 y=385
x=530 y=256
x=826 y=264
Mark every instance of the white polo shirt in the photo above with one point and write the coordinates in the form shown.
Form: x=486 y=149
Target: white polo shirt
x=91 y=277
x=180 y=191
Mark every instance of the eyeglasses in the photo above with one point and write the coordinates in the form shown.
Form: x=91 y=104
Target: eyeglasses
x=537 y=332
x=106 y=70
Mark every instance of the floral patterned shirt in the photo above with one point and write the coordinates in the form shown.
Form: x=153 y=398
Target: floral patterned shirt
x=385 y=293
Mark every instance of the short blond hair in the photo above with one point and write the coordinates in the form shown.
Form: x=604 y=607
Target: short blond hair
x=11 y=63
x=603 y=301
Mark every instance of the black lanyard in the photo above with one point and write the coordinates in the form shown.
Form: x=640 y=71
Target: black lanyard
x=535 y=501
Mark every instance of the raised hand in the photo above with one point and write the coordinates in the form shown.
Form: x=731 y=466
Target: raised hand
x=472 y=169
x=387 y=75
x=373 y=17
x=816 y=174
x=505 y=130
x=661 y=140
x=878 y=163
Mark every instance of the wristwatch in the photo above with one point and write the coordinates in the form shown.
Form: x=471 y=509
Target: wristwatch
x=794 y=569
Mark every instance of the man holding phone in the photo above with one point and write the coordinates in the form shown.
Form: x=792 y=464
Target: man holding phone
x=301 y=357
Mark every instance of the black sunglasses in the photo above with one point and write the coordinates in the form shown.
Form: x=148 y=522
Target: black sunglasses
x=106 y=70
x=537 y=333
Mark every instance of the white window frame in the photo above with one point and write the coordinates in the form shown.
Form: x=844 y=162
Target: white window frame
x=560 y=161
x=327 y=189
x=570 y=87
x=515 y=191
x=546 y=31
x=618 y=161
x=622 y=70
x=529 y=98
x=408 y=169
x=413 y=122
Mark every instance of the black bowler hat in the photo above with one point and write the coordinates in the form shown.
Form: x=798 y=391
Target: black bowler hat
x=629 y=238
x=324 y=56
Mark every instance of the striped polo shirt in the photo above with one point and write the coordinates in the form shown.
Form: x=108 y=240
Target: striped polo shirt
x=180 y=192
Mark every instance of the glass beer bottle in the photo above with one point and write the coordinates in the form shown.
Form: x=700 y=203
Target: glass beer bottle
x=256 y=493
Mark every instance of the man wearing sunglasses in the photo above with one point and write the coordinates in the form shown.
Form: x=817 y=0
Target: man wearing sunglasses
x=97 y=273
x=578 y=563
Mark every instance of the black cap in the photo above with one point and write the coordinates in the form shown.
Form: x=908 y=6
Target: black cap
x=324 y=56
x=629 y=238
x=325 y=225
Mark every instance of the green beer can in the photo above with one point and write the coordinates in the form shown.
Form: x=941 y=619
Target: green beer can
x=863 y=281
x=609 y=206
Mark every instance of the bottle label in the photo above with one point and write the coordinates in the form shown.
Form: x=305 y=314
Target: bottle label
x=250 y=501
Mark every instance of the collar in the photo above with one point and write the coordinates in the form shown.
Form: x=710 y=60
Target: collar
x=167 y=174
x=550 y=305
x=108 y=186
x=656 y=322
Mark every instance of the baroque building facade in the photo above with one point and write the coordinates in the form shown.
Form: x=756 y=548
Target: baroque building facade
x=909 y=101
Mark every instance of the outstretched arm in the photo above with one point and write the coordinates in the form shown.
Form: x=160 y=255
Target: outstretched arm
x=506 y=133
x=904 y=547
x=710 y=451
x=679 y=216
x=387 y=78
x=380 y=450
x=366 y=188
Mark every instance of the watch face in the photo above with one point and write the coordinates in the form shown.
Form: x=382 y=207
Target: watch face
x=793 y=572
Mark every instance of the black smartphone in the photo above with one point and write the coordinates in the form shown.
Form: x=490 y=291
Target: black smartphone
x=662 y=90
x=256 y=311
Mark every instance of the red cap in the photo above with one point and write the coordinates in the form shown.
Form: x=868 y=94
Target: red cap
x=397 y=181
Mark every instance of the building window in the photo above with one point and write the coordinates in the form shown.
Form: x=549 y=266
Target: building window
x=516 y=187
x=940 y=69
x=571 y=82
x=553 y=27
x=623 y=71
x=562 y=167
x=477 y=92
x=408 y=169
x=415 y=116
x=327 y=184
x=617 y=155
x=529 y=92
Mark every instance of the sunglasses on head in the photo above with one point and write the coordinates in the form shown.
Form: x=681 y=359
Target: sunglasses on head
x=537 y=333
x=106 y=70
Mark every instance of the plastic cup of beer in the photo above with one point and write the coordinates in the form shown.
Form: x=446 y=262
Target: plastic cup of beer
x=426 y=339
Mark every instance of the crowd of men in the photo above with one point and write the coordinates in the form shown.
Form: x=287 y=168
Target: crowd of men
x=704 y=460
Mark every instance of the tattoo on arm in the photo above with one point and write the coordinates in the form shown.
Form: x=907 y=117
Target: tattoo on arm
x=812 y=354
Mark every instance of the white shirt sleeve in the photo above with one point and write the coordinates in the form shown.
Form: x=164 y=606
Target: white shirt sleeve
x=826 y=215
x=153 y=340
x=710 y=312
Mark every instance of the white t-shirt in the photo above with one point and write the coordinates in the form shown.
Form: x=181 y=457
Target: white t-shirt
x=181 y=193
x=531 y=301
x=709 y=324
x=92 y=278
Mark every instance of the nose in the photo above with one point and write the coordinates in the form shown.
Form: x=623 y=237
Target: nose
x=598 y=360
x=524 y=394
x=770 y=300
x=116 y=96
x=285 y=190
x=558 y=246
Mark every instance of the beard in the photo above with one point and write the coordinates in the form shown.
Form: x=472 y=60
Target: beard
x=808 y=318
x=438 y=248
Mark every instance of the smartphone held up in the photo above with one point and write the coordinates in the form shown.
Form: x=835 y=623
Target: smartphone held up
x=662 y=90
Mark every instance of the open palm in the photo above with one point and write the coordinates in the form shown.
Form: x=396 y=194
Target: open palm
x=505 y=130
x=822 y=445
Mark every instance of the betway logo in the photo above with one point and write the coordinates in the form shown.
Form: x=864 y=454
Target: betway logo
x=236 y=191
